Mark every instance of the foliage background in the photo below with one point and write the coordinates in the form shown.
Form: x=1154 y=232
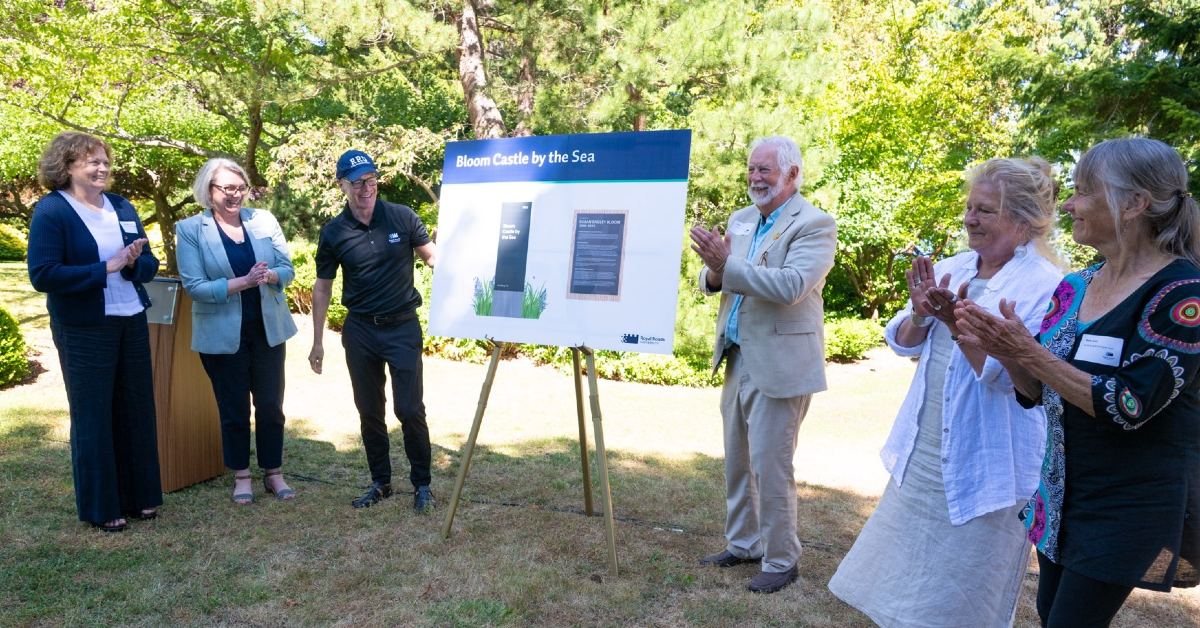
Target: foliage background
x=892 y=100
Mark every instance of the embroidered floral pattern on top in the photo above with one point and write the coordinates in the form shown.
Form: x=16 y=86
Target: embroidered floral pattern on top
x=1063 y=302
x=1059 y=329
x=1185 y=313
x=1126 y=406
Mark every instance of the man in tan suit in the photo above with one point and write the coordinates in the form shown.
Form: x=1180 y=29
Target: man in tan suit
x=769 y=268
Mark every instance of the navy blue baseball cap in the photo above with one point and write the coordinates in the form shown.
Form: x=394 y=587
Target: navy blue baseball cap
x=353 y=164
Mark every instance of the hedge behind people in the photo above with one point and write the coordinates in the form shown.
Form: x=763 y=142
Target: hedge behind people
x=14 y=366
x=12 y=245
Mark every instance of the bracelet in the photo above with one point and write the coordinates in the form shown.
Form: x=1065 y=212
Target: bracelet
x=920 y=321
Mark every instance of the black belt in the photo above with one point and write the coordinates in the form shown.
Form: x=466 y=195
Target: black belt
x=386 y=321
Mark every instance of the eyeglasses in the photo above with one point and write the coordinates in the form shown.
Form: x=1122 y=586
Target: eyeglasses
x=232 y=189
x=364 y=183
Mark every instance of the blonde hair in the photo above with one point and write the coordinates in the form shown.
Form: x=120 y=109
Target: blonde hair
x=65 y=149
x=1028 y=195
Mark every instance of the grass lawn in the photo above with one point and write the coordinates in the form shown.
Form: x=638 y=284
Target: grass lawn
x=522 y=552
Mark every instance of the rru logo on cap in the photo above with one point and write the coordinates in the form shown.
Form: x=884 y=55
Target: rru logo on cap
x=358 y=160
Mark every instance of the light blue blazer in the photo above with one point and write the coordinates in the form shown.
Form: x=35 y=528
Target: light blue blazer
x=205 y=270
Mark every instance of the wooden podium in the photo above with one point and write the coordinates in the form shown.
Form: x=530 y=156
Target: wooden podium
x=189 y=428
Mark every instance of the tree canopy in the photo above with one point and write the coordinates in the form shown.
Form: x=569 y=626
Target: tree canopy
x=891 y=101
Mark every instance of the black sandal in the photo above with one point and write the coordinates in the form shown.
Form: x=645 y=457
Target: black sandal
x=243 y=499
x=116 y=525
x=283 y=493
x=143 y=515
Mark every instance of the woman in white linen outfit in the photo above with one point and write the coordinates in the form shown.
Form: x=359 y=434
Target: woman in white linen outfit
x=945 y=546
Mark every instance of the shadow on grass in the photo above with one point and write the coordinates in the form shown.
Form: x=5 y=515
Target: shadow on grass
x=520 y=551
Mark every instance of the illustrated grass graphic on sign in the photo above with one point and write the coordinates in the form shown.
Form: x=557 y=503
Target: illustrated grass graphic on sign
x=533 y=300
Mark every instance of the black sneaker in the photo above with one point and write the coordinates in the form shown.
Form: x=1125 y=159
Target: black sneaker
x=423 y=500
x=376 y=492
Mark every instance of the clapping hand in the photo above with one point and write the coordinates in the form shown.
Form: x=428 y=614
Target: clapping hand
x=712 y=246
x=126 y=256
x=1003 y=337
x=931 y=298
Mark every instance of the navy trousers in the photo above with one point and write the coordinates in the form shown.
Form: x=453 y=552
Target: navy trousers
x=114 y=441
x=368 y=348
x=254 y=371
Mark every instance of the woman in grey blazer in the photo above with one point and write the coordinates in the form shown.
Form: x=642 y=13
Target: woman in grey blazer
x=234 y=264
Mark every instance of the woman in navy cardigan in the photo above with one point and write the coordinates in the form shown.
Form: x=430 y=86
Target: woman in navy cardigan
x=88 y=253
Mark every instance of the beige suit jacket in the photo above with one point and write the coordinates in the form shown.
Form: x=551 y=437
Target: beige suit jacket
x=781 y=320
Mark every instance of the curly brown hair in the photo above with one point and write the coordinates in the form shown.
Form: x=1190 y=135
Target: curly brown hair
x=65 y=149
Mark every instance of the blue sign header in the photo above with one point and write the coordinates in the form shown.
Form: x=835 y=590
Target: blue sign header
x=633 y=156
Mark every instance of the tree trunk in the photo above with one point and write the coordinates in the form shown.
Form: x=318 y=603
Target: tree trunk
x=635 y=100
x=254 y=137
x=527 y=89
x=165 y=216
x=11 y=203
x=482 y=112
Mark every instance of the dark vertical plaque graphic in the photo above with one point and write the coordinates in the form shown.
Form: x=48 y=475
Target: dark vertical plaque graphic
x=512 y=254
x=597 y=255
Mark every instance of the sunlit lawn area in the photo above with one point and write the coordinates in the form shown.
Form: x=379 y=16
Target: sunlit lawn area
x=521 y=553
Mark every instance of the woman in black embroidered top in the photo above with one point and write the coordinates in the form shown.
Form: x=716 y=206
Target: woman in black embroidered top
x=1116 y=366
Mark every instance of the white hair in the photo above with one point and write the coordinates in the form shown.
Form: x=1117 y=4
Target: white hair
x=1127 y=166
x=202 y=185
x=786 y=151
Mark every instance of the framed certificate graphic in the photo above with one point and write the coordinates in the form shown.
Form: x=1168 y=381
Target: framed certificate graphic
x=597 y=254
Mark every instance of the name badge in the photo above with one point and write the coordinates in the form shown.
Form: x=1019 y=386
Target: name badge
x=740 y=228
x=1100 y=349
x=128 y=226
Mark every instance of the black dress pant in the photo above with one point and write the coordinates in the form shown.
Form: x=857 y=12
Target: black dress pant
x=368 y=347
x=1066 y=599
x=114 y=440
x=254 y=371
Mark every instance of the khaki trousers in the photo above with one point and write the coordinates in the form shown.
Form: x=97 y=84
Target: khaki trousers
x=760 y=488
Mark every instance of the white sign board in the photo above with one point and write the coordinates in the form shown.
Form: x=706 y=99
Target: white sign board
x=568 y=240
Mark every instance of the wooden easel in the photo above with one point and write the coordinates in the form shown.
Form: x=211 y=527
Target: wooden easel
x=602 y=458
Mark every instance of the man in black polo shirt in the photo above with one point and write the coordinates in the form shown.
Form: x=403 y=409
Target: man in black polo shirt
x=373 y=243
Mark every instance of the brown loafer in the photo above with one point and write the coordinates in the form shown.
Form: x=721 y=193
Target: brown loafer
x=726 y=559
x=767 y=582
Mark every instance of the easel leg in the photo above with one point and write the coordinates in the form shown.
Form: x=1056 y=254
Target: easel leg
x=602 y=463
x=583 y=444
x=469 y=447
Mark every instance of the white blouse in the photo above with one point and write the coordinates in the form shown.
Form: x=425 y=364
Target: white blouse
x=991 y=447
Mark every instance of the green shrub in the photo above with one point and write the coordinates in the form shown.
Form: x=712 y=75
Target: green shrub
x=14 y=366
x=299 y=291
x=848 y=339
x=12 y=244
x=645 y=368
